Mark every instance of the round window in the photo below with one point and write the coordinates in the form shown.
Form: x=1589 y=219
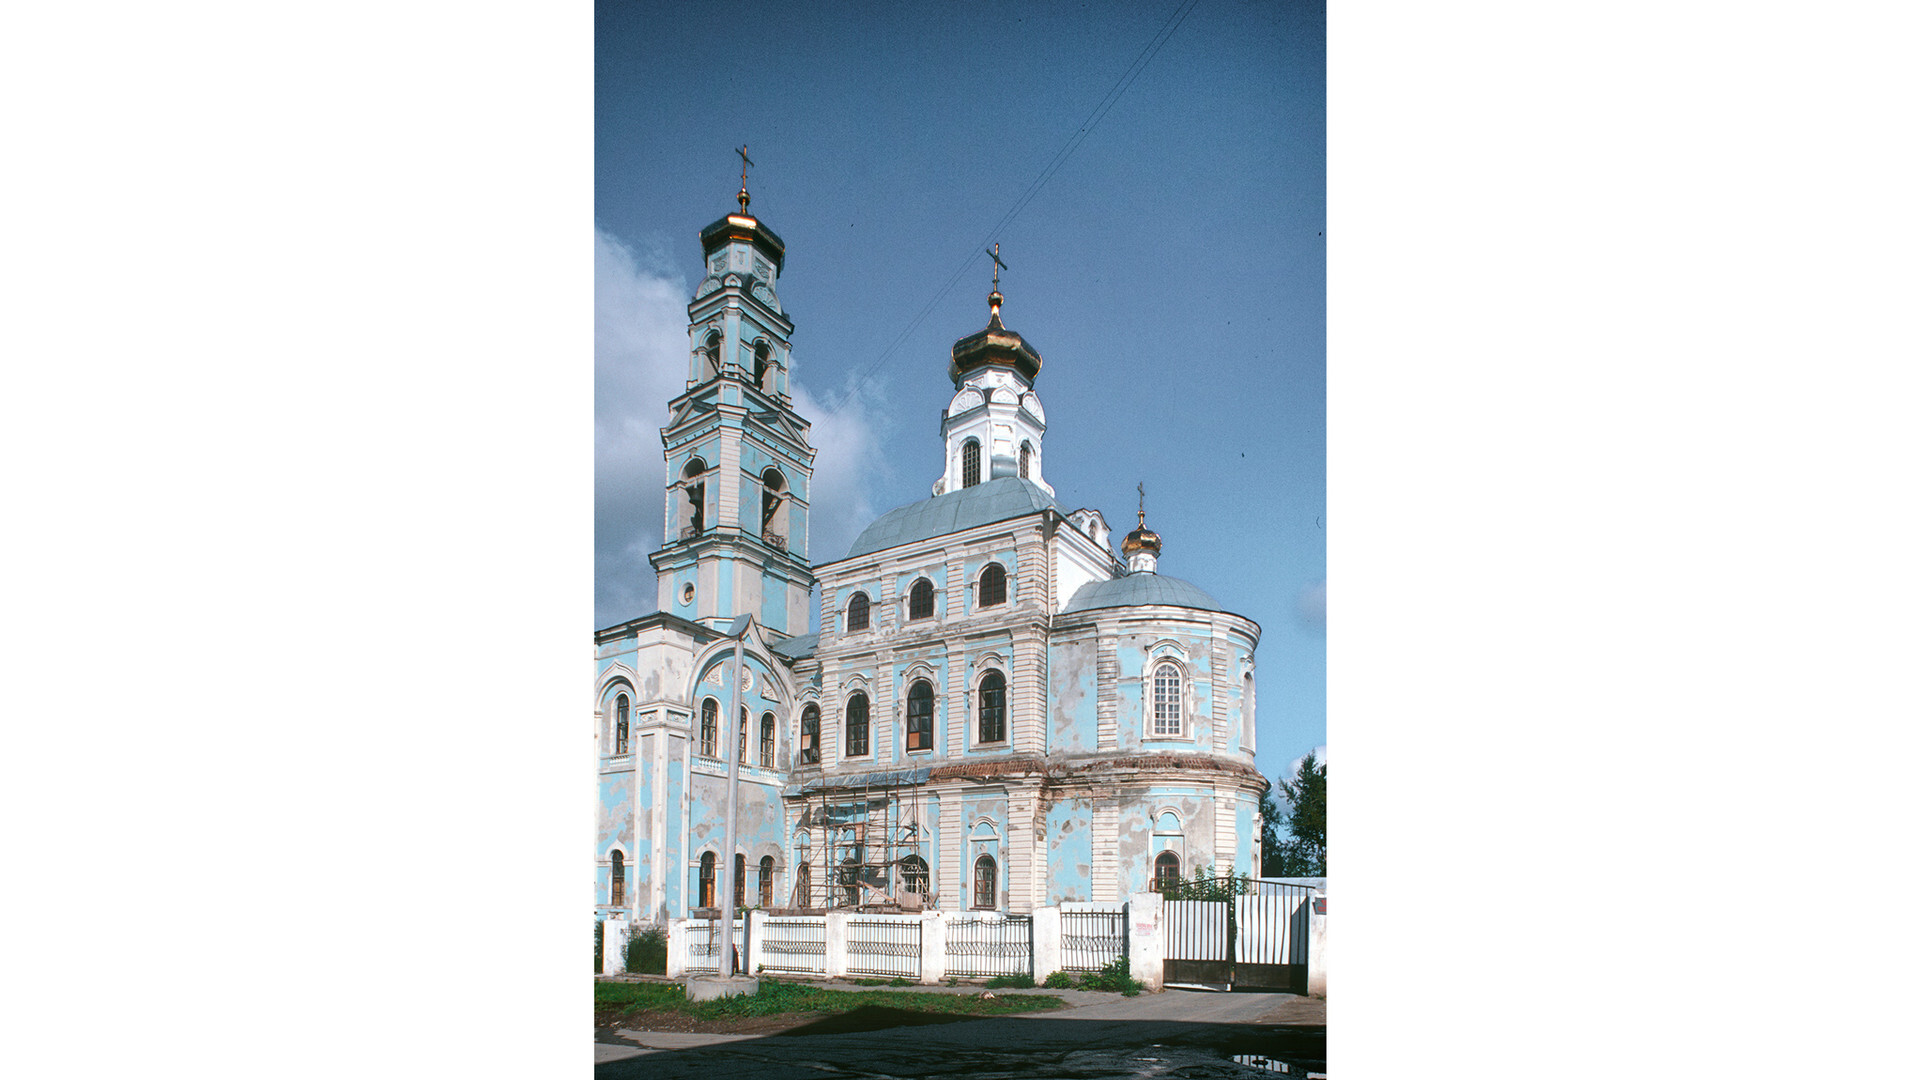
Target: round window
x=686 y=594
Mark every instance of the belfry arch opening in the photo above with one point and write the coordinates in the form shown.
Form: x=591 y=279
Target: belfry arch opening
x=693 y=499
x=773 y=507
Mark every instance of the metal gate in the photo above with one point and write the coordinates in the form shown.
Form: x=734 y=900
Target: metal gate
x=1252 y=942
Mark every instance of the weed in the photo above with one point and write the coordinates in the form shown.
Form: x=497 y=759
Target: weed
x=647 y=951
x=1115 y=977
x=1059 y=980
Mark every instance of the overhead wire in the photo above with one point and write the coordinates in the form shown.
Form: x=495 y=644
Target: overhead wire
x=1140 y=61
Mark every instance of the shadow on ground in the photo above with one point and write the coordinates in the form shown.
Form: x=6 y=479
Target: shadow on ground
x=996 y=1048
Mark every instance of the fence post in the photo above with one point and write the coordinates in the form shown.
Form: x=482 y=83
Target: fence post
x=1046 y=942
x=613 y=948
x=756 y=925
x=676 y=948
x=1146 y=950
x=1317 y=944
x=836 y=957
x=933 y=947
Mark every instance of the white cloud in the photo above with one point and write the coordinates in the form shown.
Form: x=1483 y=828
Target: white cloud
x=640 y=364
x=1293 y=767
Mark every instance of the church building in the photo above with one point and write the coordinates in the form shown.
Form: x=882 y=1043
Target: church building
x=998 y=712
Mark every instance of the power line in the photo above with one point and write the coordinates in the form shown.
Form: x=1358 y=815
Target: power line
x=1113 y=95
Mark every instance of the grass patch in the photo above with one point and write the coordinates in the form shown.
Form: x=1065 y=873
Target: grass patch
x=785 y=997
x=1015 y=982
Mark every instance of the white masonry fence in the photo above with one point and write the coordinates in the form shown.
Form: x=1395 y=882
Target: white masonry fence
x=931 y=946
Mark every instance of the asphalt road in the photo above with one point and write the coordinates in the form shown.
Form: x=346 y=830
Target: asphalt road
x=1176 y=1033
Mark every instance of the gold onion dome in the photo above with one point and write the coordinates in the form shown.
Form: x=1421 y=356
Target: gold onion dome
x=996 y=345
x=1141 y=539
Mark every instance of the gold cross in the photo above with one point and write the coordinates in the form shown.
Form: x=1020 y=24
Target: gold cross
x=997 y=265
x=1143 y=502
x=744 y=162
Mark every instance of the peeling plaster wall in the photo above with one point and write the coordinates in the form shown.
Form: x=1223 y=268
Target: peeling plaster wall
x=1072 y=666
x=1070 y=851
x=674 y=900
x=616 y=812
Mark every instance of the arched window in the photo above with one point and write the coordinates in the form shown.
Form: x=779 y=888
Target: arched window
x=1166 y=871
x=993 y=708
x=712 y=353
x=760 y=365
x=810 y=735
x=693 y=505
x=857 y=725
x=1166 y=699
x=857 y=612
x=773 y=504
x=986 y=879
x=920 y=716
x=1026 y=456
x=913 y=873
x=617 y=881
x=620 y=724
x=739 y=881
x=706 y=880
x=969 y=463
x=709 y=728
x=993 y=585
x=920 y=600
x=766 y=740
x=803 y=884
x=766 y=881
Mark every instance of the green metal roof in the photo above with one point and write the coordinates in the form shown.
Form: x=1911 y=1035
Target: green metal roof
x=1139 y=589
x=981 y=504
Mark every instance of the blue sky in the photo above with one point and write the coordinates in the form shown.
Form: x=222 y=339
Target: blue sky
x=1171 y=269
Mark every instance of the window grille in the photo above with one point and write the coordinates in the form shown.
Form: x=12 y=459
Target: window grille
x=706 y=880
x=986 y=876
x=810 y=735
x=739 y=880
x=766 y=740
x=913 y=870
x=920 y=600
x=857 y=725
x=766 y=881
x=993 y=708
x=617 y=883
x=920 y=716
x=620 y=725
x=1166 y=871
x=993 y=585
x=1026 y=454
x=969 y=464
x=709 y=728
x=1166 y=700
x=857 y=612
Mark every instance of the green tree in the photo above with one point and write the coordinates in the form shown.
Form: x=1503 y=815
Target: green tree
x=1304 y=852
x=1272 y=850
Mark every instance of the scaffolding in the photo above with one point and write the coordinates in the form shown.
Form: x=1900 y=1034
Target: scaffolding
x=871 y=839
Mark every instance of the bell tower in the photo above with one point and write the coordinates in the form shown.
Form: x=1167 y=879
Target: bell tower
x=739 y=467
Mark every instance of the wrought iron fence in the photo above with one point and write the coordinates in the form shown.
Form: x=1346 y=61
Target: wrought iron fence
x=701 y=954
x=796 y=945
x=1092 y=939
x=882 y=946
x=990 y=945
